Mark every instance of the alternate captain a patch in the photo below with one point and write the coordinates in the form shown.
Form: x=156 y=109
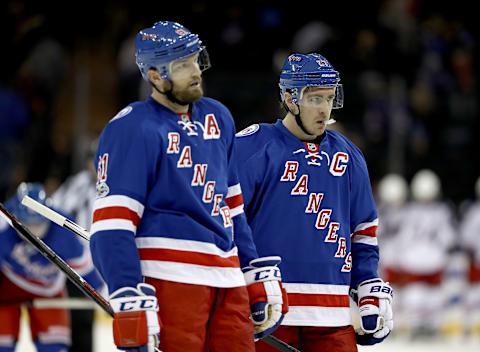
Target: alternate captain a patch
x=248 y=131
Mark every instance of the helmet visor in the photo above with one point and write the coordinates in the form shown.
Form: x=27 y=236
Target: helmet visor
x=317 y=96
x=189 y=63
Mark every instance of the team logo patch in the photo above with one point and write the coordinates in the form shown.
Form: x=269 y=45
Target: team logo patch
x=248 y=131
x=122 y=113
x=149 y=36
x=312 y=147
x=294 y=58
x=102 y=190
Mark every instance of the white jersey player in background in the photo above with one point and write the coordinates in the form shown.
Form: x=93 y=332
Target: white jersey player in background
x=423 y=242
x=77 y=194
x=392 y=195
x=470 y=231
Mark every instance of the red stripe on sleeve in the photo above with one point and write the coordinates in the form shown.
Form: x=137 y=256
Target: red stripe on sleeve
x=369 y=231
x=234 y=201
x=116 y=213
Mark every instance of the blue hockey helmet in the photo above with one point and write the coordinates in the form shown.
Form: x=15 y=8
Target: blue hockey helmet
x=157 y=46
x=24 y=214
x=309 y=70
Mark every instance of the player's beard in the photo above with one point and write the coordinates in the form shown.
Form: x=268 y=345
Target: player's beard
x=187 y=95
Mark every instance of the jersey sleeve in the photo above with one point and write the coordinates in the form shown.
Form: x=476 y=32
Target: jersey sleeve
x=124 y=172
x=234 y=199
x=364 y=223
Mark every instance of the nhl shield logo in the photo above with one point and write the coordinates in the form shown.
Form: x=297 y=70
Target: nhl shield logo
x=102 y=190
x=248 y=131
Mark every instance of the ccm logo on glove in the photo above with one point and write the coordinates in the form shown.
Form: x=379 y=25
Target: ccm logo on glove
x=137 y=305
x=268 y=274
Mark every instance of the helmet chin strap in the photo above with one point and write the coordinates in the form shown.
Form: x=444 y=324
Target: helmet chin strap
x=298 y=119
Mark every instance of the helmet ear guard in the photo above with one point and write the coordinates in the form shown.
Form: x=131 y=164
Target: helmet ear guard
x=311 y=70
x=158 y=46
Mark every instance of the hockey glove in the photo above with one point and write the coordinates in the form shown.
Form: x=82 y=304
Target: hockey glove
x=268 y=299
x=374 y=298
x=135 y=321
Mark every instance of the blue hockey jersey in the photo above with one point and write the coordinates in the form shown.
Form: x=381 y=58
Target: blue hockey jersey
x=312 y=205
x=22 y=264
x=169 y=205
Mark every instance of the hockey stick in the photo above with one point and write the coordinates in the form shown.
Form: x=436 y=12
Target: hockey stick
x=48 y=253
x=78 y=230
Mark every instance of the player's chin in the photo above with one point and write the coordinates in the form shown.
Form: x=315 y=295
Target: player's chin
x=194 y=93
x=190 y=95
x=319 y=128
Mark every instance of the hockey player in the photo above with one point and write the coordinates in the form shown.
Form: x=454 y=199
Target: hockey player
x=308 y=198
x=169 y=234
x=26 y=274
x=392 y=194
x=470 y=233
x=424 y=239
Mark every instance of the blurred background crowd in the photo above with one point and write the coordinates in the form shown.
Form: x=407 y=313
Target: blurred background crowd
x=410 y=71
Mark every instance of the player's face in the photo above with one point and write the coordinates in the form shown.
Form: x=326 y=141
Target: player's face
x=315 y=108
x=187 y=79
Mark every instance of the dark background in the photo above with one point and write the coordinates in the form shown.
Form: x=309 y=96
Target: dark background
x=409 y=68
